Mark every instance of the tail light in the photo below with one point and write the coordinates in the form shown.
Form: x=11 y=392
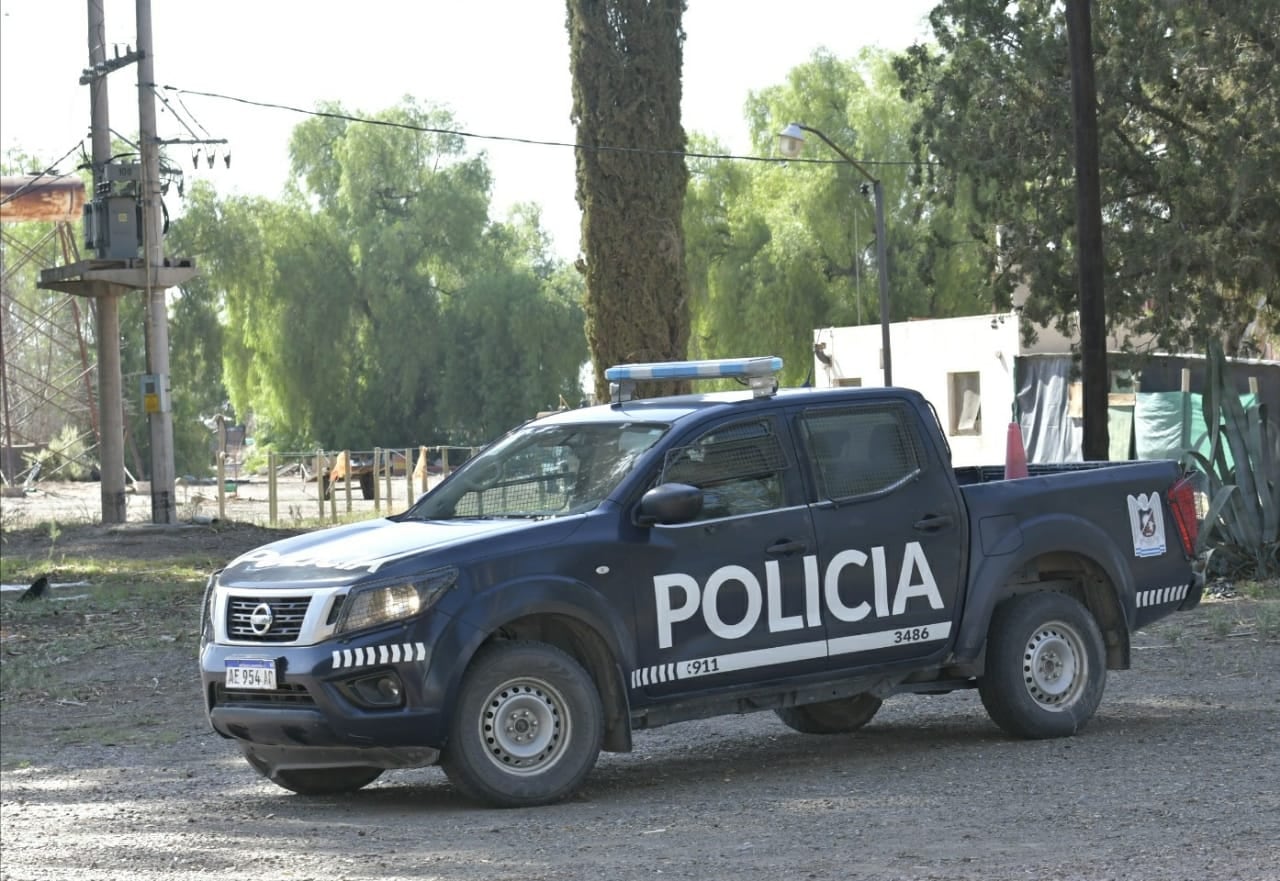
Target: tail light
x=1182 y=502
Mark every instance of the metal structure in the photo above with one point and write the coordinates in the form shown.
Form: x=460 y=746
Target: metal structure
x=47 y=381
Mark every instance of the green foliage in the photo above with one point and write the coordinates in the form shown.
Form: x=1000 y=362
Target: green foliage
x=344 y=307
x=65 y=458
x=1242 y=526
x=626 y=58
x=775 y=251
x=511 y=304
x=1189 y=131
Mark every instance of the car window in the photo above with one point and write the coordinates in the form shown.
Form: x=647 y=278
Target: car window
x=859 y=451
x=738 y=467
x=540 y=471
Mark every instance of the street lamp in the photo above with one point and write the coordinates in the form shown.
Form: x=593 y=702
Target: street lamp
x=790 y=144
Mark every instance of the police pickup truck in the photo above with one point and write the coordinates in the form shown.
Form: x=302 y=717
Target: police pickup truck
x=623 y=566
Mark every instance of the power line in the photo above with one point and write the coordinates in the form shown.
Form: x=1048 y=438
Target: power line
x=326 y=114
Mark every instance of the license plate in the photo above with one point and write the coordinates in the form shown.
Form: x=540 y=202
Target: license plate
x=258 y=674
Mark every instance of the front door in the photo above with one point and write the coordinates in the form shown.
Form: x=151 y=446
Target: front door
x=724 y=600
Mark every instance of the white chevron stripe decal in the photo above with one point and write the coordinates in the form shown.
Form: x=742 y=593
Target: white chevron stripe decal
x=392 y=653
x=1161 y=596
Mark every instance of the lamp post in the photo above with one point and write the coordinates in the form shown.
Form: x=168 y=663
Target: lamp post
x=790 y=143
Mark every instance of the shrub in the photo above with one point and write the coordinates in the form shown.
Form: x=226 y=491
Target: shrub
x=1242 y=527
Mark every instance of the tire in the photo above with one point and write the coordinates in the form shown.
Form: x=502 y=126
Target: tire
x=366 y=485
x=1045 y=669
x=526 y=728
x=831 y=717
x=325 y=781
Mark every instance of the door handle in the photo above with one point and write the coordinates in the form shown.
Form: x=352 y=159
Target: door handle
x=783 y=548
x=933 y=522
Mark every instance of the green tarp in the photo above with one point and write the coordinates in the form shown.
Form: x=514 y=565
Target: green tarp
x=1167 y=423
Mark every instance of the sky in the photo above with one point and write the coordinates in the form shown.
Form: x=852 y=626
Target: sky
x=501 y=67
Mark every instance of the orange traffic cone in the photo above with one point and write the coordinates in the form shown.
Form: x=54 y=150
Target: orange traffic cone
x=1015 y=456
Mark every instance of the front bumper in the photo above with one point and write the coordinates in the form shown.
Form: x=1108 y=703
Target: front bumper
x=316 y=711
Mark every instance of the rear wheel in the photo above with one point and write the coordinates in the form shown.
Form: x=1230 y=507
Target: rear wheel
x=831 y=717
x=527 y=726
x=1045 y=669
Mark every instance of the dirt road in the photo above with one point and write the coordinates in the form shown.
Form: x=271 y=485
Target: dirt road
x=108 y=770
x=1176 y=778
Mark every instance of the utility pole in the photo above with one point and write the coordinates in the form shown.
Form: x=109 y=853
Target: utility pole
x=159 y=411
x=1093 y=310
x=112 y=234
x=107 y=315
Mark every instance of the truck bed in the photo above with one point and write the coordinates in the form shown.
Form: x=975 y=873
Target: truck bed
x=968 y=475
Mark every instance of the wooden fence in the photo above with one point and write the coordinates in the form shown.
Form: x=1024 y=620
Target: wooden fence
x=338 y=483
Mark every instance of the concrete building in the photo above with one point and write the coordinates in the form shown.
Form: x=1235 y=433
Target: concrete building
x=980 y=375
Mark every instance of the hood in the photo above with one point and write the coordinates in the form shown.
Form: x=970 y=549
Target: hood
x=354 y=552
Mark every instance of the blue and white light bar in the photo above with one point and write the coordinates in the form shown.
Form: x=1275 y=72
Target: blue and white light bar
x=760 y=373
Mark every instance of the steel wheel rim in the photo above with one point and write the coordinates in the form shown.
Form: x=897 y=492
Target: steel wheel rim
x=1054 y=666
x=524 y=726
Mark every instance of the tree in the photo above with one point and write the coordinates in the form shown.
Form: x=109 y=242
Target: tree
x=1189 y=122
x=777 y=250
x=347 y=304
x=626 y=58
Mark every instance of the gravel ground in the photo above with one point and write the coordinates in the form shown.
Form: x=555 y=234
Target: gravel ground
x=1176 y=778
x=114 y=774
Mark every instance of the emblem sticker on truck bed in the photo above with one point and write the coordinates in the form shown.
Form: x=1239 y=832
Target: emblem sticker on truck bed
x=1146 y=519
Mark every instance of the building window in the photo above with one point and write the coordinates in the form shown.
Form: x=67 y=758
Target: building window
x=965 y=399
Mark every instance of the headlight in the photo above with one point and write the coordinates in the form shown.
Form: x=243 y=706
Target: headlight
x=206 y=614
x=371 y=606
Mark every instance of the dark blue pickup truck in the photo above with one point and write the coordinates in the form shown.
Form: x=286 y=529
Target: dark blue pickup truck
x=629 y=565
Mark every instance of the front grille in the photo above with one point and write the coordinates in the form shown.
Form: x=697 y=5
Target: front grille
x=286 y=618
x=284 y=694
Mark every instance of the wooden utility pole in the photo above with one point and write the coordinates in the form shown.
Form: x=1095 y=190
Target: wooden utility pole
x=1093 y=311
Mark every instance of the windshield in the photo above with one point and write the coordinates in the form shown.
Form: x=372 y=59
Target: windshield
x=541 y=471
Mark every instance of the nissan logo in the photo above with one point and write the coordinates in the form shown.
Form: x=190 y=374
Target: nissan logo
x=261 y=619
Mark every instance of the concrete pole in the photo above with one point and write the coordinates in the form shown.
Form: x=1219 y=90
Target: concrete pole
x=107 y=321
x=163 y=509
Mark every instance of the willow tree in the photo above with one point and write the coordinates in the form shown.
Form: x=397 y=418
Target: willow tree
x=626 y=56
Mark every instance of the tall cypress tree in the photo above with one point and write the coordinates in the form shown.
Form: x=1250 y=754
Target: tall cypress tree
x=626 y=57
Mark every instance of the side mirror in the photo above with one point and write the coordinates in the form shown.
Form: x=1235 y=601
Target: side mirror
x=669 y=503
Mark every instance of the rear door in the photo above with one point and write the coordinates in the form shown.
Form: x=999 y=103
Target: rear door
x=891 y=534
x=721 y=601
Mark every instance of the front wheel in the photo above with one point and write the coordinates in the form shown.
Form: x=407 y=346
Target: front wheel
x=1045 y=669
x=831 y=717
x=527 y=726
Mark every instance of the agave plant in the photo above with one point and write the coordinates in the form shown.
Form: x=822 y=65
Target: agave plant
x=1242 y=527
